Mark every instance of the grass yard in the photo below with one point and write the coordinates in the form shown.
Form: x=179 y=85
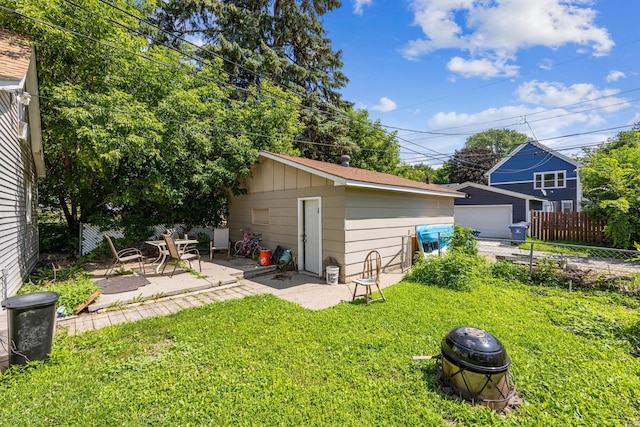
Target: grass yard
x=263 y=361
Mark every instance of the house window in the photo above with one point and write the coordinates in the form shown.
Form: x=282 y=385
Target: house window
x=28 y=202
x=567 y=206
x=260 y=216
x=549 y=180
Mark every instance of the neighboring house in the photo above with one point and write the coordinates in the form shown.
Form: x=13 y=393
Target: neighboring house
x=539 y=171
x=22 y=160
x=491 y=210
x=322 y=210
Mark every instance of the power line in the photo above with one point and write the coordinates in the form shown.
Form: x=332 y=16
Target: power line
x=437 y=155
x=78 y=34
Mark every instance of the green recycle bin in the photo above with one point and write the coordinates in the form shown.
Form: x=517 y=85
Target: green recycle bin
x=31 y=321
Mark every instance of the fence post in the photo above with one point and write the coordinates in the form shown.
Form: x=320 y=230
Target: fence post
x=530 y=260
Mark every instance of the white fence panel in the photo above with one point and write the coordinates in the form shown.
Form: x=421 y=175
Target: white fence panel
x=91 y=236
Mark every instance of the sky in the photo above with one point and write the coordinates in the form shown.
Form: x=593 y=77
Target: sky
x=564 y=72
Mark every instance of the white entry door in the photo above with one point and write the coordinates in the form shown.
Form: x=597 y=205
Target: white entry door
x=310 y=245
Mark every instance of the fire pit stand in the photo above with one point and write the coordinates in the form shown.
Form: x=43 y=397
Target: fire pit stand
x=474 y=365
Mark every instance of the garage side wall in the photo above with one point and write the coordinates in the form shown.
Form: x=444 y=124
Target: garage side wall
x=377 y=220
x=270 y=207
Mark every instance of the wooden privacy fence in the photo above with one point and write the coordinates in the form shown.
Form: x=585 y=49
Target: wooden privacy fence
x=568 y=226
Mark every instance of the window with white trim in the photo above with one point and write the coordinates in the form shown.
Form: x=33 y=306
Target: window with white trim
x=28 y=202
x=567 y=206
x=549 y=180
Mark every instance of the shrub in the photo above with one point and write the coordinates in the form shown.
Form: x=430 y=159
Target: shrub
x=547 y=273
x=464 y=241
x=510 y=271
x=453 y=270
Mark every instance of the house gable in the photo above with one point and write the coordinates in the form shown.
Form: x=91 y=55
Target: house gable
x=535 y=169
x=528 y=159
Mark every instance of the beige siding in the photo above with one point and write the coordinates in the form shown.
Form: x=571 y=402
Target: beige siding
x=18 y=238
x=354 y=220
x=279 y=187
x=378 y=220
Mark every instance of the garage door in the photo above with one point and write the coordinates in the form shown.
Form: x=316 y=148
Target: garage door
x=491 y=220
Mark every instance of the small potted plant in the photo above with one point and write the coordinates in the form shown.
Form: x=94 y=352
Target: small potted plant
x=203 y=242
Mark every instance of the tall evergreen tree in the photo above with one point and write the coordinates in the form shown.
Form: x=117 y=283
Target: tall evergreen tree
x=279 y=40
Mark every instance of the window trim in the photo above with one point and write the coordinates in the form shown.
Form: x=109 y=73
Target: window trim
x=564 y=203
x=539 y=180
x=260 y=216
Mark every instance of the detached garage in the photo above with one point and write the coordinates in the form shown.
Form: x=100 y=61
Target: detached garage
x=334 y=214
x=491 y=210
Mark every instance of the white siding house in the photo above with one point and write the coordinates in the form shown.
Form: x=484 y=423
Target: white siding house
x=21 y=161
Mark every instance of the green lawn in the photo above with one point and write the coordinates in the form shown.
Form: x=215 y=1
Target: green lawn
x=263 y=361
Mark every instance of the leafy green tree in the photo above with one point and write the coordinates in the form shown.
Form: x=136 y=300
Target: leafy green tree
x=611 y=184
x=377 y=149
x=419 y=172
x=279 y=40
x=500 y=141
x=470 y=164
x=139 y=135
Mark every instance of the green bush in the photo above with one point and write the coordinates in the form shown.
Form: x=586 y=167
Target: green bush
x=55 y=237
x=464 y=241
x=510 y=271
x=547 y=273
x=452 y=270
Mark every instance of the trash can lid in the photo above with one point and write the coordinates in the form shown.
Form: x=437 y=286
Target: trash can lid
x=34 y=300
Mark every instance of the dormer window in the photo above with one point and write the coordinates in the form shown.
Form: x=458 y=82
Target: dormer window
x=545 y=180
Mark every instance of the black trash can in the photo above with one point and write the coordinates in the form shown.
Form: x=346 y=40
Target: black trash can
x=31 y=321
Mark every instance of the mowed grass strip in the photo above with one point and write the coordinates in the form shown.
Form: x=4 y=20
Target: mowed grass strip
x=263 y=361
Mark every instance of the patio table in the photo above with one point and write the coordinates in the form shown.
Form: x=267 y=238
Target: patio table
x=163 y=252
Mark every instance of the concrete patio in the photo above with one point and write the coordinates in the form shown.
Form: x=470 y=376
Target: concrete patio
x=221 y=279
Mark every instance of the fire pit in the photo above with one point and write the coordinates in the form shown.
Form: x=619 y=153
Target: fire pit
x=474 y=365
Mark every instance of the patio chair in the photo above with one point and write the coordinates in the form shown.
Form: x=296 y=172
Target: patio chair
x=186 y=254
x=220 y=242
x=370 y=277
x=124 y=256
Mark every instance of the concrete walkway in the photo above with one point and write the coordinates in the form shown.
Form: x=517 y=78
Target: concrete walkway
x=221 y=279
x=308 y=291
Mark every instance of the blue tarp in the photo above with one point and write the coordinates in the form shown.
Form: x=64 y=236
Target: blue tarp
x=428 y=234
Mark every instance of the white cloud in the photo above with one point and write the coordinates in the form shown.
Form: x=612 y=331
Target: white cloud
x=358 y=6
x=385 y=105
x=481 y=68
x=580 y=96
x=615 y=75
x=497 y=30
x=535 y=122
x=546 y=64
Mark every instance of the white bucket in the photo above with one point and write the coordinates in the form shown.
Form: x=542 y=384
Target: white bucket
x=333 y=273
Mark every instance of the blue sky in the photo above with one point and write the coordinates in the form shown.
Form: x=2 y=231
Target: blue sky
x=442 y=70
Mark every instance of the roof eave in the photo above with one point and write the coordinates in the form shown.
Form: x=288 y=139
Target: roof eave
x=490 y=189
x=423 y=191
x=337 y=180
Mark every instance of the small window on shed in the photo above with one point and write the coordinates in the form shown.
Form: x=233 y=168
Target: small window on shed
x=260 y=216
